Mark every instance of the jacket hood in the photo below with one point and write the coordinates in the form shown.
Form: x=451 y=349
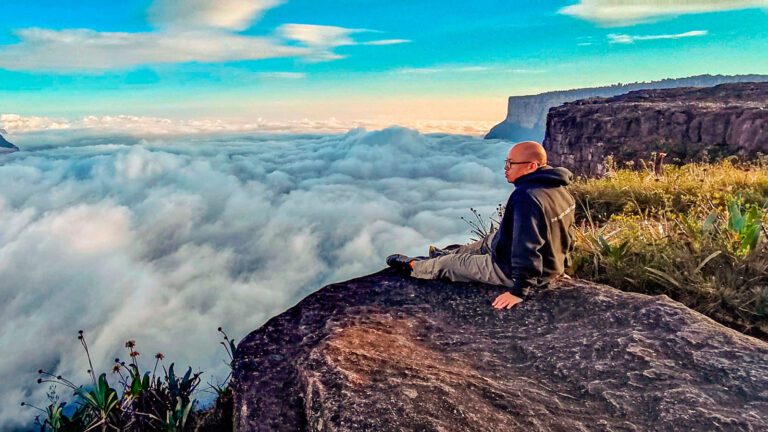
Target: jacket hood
x=548 y=176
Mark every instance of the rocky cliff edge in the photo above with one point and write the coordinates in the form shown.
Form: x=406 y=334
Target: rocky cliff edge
x=385 y=352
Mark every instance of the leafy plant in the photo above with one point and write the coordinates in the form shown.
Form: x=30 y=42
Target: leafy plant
x=142 y=400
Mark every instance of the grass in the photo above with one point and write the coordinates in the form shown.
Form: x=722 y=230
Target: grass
x=694 y=232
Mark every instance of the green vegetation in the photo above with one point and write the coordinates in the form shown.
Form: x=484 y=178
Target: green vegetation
x=695 y=233
x=142 y=400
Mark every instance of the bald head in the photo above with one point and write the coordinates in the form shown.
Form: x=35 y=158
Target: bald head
x=528 y=151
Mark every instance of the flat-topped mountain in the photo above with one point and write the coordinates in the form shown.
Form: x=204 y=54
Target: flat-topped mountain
x=390 y=353
x=6 y=147
x=527 y=115
x=687 y=124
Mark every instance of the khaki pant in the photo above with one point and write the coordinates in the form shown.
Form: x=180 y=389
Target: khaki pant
x=468 y=263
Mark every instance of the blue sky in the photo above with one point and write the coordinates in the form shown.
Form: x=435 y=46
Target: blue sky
x=400 y=60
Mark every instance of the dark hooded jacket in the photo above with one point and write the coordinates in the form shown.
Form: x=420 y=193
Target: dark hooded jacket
x=533 y=242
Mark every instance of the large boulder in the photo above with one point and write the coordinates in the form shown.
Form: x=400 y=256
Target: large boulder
x=688 y=124
x=388 y=353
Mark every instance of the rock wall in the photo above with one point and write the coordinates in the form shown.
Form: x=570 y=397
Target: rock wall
x=390 y=353
x=527 y=115
x=686 y=123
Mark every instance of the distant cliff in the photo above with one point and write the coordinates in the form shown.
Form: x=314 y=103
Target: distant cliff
x=686 y=123
x=527 y=115
x=390 y=353
x=7 y=147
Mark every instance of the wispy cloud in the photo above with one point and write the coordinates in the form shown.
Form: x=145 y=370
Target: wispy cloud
x=322 y=39
x=318 y=35
x=386 y=42
x=225 y=14
x=463 y=69
x=283 y=75
x=628 y=39
x=187 y=31
x=43 y=49
x=619 y=13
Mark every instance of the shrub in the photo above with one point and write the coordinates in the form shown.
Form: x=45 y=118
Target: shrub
x=694 y=232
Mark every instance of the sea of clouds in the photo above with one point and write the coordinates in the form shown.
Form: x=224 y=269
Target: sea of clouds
x=164 y=239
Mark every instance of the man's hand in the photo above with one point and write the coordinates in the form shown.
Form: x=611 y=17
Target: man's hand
x=506 y=301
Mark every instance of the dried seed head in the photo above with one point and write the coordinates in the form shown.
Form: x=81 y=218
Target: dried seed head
x=130 y=344
x=134 y=354
x=159 y=356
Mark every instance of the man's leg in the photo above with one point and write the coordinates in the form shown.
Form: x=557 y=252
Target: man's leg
x=461 y=267
x=482 y=246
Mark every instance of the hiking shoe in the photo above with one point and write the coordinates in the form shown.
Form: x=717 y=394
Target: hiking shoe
x=402 y=262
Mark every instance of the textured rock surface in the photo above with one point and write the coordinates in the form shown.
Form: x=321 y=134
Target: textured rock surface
x=6 y=147
x=527 y=115
x=685 y=123
x=388 y=353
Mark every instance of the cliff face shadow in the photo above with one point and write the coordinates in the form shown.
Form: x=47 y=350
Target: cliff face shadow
x=384 y=352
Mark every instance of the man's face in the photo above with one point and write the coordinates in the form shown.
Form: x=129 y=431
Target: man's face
x=514 y=170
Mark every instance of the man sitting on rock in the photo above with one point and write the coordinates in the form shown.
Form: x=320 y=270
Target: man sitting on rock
x=531 y=246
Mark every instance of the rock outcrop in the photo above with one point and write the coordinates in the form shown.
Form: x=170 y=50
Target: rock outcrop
x=7 y=147
x=687 y=124
x=527 y=115
x=389 y=353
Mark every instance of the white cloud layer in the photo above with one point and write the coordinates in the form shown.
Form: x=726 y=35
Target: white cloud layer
x=628 y=39
x=164 y=239
x=620 y=12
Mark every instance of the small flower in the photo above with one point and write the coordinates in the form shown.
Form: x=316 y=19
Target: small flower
x=159 y=356
x=116 y=368
x=130 y=344
x=134 y=354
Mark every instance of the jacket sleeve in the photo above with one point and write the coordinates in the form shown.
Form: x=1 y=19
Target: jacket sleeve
x=528 y=234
